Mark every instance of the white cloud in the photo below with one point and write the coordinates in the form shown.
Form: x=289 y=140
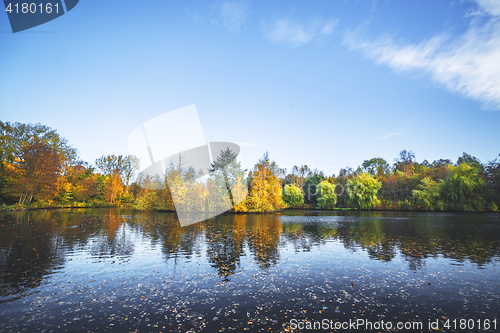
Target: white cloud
x=468 y=64
x=286 y=31
x=233 y=14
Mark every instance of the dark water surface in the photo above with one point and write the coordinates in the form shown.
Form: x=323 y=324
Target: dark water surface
x=111 y=270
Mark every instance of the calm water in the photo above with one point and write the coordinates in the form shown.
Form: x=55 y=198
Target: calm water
x=98 y=270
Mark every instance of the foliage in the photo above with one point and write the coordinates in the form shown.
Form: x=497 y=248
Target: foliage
x=35 y=173
x=470 y=160
x=428 y=195
x=292 y=196
x=376 y=166
x=265 y=193
x=399 y=186
x=405 y=162
x=14 y=140
x=363 y=191
x=151 y=196
x=298 y=176
x=124 y=166
x=311 y=187
x=226 y=173
x=327 y=199
x=463 y=188
x=13 y=137
x=492 y=175
x=114 y=188
x=38 y=169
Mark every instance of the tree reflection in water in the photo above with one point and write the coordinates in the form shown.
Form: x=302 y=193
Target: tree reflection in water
x=416 y=236
x=33 y=244
x=225 y=240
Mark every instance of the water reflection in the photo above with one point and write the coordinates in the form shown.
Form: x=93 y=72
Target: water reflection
x=225 y=243
x=34 y=244
x=417 y=236
x=28 y=252
x=122 y=271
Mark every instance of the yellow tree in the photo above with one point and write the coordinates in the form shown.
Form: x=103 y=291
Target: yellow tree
x=114 y=187
x=265 y=192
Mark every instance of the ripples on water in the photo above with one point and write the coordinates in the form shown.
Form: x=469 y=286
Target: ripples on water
x=118 y=270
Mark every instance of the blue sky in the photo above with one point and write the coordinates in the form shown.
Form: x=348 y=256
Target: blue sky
x=323 y=83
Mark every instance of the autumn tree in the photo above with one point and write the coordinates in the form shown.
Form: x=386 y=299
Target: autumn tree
x=124 y=166
x=37 y=171
x=114 y=187
x=87 y=189
x=298 y=176
x=14 y=137
x=405 y=162
x=130 y=166
x=108 y=164
x=152 y=196
x=265 y=192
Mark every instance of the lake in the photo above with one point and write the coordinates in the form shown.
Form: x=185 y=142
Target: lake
x=119 y=270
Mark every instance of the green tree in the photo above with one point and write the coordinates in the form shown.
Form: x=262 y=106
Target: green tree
x=463 y=188
x=292 y=195
x=327 y=199
x=226 y=172
x=363 y=191
x=311 y=187
x=376 y=167
x=428 y=195
x=492 y=172
x=470 y=160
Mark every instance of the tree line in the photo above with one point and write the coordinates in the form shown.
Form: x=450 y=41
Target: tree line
x=38 y=168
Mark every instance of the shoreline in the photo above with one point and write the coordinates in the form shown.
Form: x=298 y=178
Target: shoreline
x=16 y=208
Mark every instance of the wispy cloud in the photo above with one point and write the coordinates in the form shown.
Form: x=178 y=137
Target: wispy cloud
x=286 y=31
x=389 y=135
x=468 y=64
x=233 y=14
x=489 y=7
